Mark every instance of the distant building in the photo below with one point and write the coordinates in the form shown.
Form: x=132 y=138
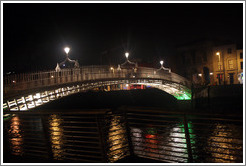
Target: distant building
x=227 y=64
x=208 y=62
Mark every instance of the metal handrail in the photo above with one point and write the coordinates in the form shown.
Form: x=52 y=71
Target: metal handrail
x=177 y=142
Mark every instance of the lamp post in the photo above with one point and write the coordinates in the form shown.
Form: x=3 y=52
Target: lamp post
x=127 y=60
x=162 y=67
x=223 y=64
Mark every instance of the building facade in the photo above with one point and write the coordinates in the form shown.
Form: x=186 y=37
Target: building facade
x=228 y=64
x=207 y=63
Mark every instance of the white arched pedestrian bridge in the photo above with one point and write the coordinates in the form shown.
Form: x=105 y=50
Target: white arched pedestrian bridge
x=28 y=90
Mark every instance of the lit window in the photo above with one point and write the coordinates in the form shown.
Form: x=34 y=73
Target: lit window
x=219 y=65
x=241 y=65
x=230 y=64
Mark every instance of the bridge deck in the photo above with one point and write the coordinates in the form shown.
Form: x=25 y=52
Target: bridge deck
x=26 y=91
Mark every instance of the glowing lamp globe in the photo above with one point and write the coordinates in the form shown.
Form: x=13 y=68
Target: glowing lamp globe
x=67 y=49
x=127 y=54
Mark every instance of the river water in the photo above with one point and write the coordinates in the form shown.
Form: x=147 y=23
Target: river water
x=109 y=136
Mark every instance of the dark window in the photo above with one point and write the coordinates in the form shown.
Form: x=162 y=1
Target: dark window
x=241 y=65
x=231 y=78
x=229 y=51
x=219 y=77
x=241 y=55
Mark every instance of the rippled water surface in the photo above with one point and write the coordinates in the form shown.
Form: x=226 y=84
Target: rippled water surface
x=109 y=137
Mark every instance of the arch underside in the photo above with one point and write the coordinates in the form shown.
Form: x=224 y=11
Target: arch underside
x=31 y=101
x=179 y=91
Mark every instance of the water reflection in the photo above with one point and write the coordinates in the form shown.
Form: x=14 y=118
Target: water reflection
x=166 y=144
x=16 y=136
x=117 y=139
x=224 y=143
x=160 y=140
x=56 y=136
x=176 y=144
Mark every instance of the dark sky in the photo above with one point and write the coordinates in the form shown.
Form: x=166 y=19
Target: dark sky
x=34 y=35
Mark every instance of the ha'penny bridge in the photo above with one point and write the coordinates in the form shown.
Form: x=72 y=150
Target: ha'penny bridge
x=107 y=135
x=25 y=91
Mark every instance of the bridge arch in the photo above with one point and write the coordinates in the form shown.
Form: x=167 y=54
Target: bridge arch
x=53 y=85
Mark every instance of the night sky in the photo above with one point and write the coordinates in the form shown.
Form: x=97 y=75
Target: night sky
x=34 y=35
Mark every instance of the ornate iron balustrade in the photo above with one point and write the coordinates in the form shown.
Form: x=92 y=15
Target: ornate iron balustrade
x=26 y=91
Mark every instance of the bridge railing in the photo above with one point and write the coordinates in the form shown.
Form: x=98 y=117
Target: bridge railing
x=104 y=135
x=19 y=82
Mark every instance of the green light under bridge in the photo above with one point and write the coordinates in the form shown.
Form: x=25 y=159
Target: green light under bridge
x=184 y=96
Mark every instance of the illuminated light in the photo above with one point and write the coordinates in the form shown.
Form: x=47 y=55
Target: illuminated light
x=64 y=65
x=161 y=62
x=184 y=96
x=14 y=81
x=7 y=116
x=150 y=136
x=217 y=53
x=116 y=138
x=37 y=95
x=15 y=134
x=67 y=49
x=127 y=55
x=211 y=73
x=199 y=74
x=56 y=136
x=52 y=76
x=133 y=76
x=111 y=68
x=127 y=85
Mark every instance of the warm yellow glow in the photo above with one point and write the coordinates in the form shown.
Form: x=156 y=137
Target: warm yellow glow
x=117 y=139
x=111 y=68
x=217 y=53
x=56 y=136
x=200 y=74
x=220 y=144
x=16 y=136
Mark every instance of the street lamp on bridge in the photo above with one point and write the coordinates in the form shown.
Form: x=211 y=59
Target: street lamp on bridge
x=71 y=63
x=127 y=55
x=67 y=49
x=162 y=67
x=127 y=62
